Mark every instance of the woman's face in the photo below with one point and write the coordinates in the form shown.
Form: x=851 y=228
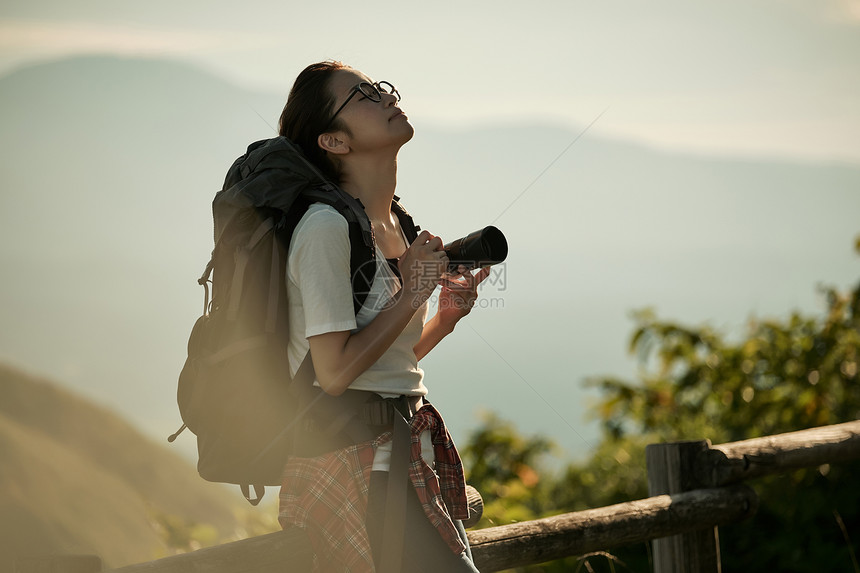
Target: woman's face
x=372 y=125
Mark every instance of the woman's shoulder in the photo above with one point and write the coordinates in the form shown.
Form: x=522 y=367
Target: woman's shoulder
x=324 y=211
x=322 y=218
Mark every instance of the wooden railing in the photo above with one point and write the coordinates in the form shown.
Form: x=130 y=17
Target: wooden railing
x=695 y=487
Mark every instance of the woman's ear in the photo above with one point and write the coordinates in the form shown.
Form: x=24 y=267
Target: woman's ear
x=333 y=144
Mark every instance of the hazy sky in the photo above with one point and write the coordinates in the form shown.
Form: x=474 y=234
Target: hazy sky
x=764 y=77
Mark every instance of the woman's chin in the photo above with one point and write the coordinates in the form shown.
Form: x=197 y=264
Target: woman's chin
x=409 y=131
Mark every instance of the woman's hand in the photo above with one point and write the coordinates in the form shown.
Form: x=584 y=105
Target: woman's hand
x=422 y=267
x=458 y=296
x=455 y=301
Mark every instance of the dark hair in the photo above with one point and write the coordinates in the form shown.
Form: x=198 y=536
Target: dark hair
x=308 y=112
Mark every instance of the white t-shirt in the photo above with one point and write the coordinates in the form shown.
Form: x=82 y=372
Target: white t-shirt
x=319 y=291
x=320 y=298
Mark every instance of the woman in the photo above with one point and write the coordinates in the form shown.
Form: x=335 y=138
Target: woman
x=351 y=128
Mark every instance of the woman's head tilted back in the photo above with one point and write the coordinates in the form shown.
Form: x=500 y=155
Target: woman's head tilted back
x=308 y=113
x=340 y=139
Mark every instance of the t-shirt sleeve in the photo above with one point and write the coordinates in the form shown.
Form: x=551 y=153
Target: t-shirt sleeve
x=318 y=265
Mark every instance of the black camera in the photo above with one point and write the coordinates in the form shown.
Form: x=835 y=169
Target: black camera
x=482 y=248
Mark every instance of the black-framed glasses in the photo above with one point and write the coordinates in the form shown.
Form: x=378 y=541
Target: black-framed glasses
x=373 y=92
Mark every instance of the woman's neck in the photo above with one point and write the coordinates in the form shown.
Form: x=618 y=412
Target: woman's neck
x=373 y=183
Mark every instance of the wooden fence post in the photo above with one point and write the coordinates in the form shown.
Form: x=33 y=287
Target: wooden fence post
x=672 y=470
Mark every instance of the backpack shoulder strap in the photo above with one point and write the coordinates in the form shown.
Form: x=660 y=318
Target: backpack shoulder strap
x=410 y=229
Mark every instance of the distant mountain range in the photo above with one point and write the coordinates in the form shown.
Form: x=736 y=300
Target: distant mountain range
x=109 y=166
x=76 y=479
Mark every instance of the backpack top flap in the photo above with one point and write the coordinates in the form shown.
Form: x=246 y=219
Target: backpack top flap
x=251 y=180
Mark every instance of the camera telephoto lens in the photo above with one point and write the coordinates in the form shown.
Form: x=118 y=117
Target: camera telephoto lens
x=482 y=248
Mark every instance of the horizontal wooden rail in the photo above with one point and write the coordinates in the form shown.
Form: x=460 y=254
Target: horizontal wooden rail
x=737 y=461
x=280 y=552
x=581 y=532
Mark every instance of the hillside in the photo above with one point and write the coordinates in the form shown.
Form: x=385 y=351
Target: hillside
x=75 y=478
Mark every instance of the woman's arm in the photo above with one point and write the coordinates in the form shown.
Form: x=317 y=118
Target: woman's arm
x=433 y=333
x=340 y=357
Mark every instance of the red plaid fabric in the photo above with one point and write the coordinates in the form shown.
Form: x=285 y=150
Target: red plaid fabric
x=327 y=495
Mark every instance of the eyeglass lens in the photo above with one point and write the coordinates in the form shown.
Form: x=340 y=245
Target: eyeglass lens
x=374 y=91
x=370 y=91
x=388 y=88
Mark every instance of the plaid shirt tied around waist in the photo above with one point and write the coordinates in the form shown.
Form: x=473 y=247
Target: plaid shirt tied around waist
x=327 y=495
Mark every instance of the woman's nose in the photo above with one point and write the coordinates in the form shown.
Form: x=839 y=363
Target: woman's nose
x=389 y=100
